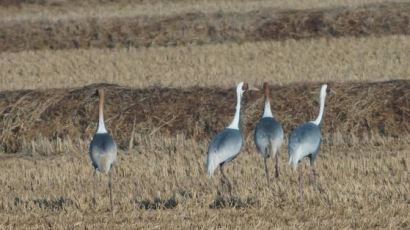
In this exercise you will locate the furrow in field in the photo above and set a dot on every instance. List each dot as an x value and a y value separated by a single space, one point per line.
203 28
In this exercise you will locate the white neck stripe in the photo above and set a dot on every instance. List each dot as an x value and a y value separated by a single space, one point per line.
267 112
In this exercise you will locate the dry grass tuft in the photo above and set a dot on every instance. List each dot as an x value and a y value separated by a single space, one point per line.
201 28
358 112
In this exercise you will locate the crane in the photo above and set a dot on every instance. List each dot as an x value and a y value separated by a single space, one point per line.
103 149
305 140
268 135
226 145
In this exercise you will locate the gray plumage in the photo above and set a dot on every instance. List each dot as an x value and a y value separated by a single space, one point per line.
103 152
304 141
224 147
267 131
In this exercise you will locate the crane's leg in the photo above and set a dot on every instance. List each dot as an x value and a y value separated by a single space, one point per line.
300 183
277 164
110 187
225 178
312 173
94 187
266 168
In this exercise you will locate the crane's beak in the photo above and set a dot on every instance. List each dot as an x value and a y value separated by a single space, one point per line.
253 88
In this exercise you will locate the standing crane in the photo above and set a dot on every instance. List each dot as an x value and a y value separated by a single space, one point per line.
226 145
305 139
103 149
268 135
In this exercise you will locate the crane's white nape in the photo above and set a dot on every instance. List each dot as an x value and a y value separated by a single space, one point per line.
101 125
267 111
240 89
322 105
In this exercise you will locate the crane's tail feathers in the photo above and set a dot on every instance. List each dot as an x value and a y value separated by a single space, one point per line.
293 156
211 165
275 146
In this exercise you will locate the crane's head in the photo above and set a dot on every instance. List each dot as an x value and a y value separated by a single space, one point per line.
324 90
266 89
99 92
243 87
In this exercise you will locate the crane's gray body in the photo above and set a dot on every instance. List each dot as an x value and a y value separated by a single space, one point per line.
304 141
103 152
224 147
268 132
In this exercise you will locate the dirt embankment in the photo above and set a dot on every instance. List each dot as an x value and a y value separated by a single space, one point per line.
201 28
357 109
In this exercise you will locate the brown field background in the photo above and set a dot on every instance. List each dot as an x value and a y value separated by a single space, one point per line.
203 28
171 67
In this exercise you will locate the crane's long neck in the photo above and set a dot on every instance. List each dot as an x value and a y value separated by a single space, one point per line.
235 122
101 125
267 112
318 120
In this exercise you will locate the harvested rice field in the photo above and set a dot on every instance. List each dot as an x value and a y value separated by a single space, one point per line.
169 70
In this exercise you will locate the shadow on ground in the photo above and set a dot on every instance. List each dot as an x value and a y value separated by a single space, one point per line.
233 202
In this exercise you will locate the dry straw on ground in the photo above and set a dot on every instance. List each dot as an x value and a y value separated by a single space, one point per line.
223 65
162 184
359 110
200 28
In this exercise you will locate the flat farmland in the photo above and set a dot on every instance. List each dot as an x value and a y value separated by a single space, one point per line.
169 69
162 184
319 60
